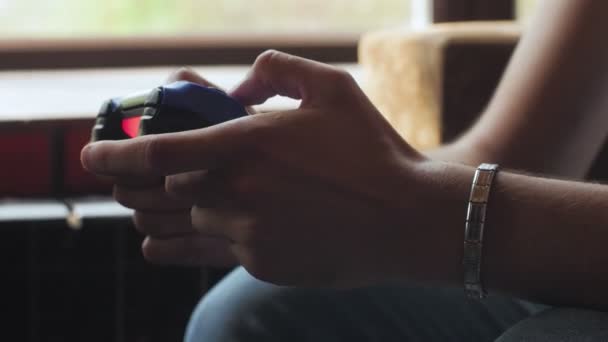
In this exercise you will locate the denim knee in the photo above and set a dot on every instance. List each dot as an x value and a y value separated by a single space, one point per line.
560 325
236 309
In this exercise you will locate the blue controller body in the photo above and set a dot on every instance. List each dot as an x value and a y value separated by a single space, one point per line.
175 107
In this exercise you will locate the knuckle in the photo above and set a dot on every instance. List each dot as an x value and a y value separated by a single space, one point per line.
140 222
123 197
246 185
249 223
267 58
342 77
197 218
247 228
101 159
174 185
185 185
204 221
182 74
255 134
151 155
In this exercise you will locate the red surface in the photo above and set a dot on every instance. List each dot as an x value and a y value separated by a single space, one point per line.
77 181
131 126
25 164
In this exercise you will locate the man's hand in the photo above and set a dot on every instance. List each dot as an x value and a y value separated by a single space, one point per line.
170 237
313 196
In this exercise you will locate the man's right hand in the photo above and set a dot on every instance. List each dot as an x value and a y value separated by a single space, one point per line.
165 221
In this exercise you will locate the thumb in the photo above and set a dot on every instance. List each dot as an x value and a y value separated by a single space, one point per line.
277 73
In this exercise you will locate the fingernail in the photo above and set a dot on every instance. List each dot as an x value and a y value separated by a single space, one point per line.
85 156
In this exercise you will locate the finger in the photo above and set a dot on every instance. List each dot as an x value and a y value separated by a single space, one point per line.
189 185
277 73
141 182
190 250
165 154
246 185
124 159
163 225
125 179
188 74
150 199
231 224
201 188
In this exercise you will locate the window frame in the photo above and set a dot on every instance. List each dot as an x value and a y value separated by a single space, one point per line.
162 51
209 49
467 10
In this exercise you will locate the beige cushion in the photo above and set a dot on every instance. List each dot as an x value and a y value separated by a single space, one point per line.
404 73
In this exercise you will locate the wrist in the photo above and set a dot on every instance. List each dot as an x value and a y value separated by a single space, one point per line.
436 220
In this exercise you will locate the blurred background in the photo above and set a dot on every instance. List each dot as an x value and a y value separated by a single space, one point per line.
70 18
118 18
72 265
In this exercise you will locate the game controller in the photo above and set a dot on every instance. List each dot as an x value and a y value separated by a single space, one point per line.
175 107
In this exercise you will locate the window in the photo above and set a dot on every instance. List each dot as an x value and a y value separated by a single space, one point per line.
57 34
119 18
525 8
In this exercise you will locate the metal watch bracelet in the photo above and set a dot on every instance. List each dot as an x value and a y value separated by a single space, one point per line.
474 227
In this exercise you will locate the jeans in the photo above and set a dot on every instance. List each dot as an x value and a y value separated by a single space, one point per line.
242 308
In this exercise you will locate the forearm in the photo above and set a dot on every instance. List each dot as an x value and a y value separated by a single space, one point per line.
548 113
550 240
545 240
